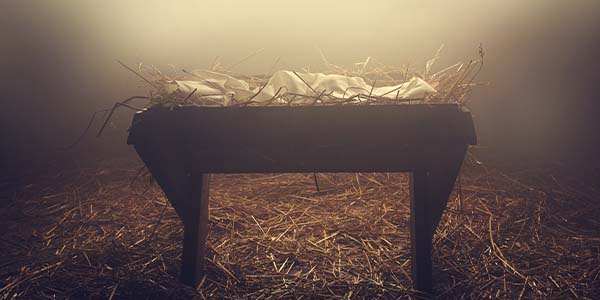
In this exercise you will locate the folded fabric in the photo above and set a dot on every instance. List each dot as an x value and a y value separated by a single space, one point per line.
220 88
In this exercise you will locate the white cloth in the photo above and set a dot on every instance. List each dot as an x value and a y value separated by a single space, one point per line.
219 88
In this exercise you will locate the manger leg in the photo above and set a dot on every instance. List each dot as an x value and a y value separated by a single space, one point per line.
420 231
187 191
195 222
430 190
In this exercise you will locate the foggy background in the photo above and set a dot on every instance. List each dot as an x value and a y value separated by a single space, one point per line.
58 62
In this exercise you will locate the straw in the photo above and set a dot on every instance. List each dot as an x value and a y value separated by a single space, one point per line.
89 233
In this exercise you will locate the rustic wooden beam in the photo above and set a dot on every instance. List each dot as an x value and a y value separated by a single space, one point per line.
430 188
421 204
195 229
188 192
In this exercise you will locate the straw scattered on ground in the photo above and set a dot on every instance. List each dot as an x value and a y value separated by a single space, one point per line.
92 233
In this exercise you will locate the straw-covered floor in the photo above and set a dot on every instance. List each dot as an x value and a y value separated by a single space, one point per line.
93 234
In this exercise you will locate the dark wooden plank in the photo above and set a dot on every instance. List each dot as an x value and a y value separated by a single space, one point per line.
420 230
306 139
215 128
188 192
195 230
430 188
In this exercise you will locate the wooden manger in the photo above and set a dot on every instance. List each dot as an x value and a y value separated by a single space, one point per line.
182 145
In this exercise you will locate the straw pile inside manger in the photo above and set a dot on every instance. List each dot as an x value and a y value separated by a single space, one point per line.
452 85
520 235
